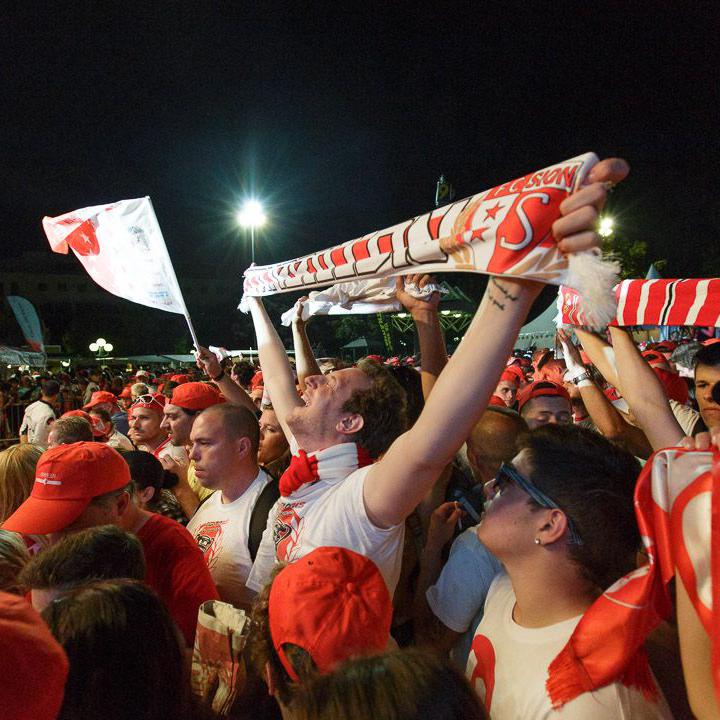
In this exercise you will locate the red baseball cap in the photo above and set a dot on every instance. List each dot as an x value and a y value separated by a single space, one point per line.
67 478
100 396
513 374
96 424
196 396
257 380
33 665
151 401
180 379
656 359
126 393
541 388
334 604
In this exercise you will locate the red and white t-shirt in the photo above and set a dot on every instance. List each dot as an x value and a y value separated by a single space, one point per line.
221 530
508 665
327 513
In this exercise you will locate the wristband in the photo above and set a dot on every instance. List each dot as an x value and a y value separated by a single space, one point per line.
583 377
219 377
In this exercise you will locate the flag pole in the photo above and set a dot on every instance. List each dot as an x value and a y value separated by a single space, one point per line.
192 330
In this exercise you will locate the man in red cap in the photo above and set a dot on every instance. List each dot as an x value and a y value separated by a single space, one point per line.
87 484
33 665
329 606
104 400
507 388
543 402
188 399
146 416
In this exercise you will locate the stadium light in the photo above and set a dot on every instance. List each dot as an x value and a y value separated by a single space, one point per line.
606 227
252 215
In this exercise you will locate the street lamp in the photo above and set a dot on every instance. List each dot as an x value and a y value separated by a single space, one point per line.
101 346
252 216
606 227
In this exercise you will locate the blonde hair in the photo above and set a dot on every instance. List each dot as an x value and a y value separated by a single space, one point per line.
139 389
14 556
17 475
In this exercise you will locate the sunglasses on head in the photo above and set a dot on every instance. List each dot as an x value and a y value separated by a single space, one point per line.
147 400
509 474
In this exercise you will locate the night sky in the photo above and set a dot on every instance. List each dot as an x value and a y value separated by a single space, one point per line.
342 119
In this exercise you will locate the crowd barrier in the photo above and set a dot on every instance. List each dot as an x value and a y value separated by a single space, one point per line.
11 417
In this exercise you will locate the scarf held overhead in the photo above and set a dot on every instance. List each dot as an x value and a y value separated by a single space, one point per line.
506 230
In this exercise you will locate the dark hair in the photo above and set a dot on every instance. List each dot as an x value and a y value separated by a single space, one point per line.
99 553
593 481
383 407
237 422
145 470
410 381
262 650
125 655
101 413
707 355
400 685
72 429
244 371
51 388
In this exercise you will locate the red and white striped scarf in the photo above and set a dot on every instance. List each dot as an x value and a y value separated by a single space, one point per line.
677 504
334 463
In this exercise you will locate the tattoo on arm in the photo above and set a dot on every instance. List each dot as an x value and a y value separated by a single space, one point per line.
505 293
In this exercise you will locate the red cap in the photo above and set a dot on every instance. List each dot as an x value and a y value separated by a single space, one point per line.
513 374
33 665
334 604
96 424
257 380
541 388
67 477
656 359
180 379
151 401
100 396
196 396
126 393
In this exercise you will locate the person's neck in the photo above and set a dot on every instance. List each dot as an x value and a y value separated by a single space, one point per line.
547 592
48 400
134 518
238 483
312 443
155 443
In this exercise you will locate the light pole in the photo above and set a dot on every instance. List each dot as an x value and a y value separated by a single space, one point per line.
101 346
252 216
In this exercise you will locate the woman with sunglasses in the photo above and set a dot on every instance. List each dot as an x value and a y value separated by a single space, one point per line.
561 520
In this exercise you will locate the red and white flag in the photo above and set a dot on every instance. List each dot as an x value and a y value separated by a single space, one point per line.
506 230
123 250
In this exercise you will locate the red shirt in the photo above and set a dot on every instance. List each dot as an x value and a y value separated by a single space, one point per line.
176 571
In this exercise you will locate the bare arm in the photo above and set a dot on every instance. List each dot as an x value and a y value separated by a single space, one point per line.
277 373
601 354
305 363
424 313
234 394
644 393
396 484
696 651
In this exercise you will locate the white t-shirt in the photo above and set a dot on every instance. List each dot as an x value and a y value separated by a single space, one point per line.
458 597
327 513
221 530
38 418
508 669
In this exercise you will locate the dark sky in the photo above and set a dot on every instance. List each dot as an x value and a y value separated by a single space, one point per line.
342 119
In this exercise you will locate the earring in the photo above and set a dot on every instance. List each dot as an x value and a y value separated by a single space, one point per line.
537 541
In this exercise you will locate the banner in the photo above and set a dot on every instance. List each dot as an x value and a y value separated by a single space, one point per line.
28 320
651 302
123 250
506 230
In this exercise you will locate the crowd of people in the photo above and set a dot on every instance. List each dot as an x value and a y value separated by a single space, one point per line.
410 542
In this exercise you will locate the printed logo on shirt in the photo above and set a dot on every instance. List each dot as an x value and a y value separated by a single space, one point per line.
209 537
483 675
286 532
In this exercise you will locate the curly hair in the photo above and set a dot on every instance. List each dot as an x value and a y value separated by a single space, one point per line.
383 407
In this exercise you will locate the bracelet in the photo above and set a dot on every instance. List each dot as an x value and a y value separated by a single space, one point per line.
580 378
219 377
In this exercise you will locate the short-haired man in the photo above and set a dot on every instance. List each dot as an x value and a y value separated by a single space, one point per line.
707 376
146 416
179 414
100 553
104 400
70 429
225 448
544 402
84 485
351 416
40 415
507 388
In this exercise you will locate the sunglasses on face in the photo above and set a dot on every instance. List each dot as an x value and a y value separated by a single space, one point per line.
509 475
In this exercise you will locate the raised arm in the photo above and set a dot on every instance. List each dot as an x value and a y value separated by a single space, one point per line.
233 393
644 393
305 363
277 373
600 353
424 312
397 483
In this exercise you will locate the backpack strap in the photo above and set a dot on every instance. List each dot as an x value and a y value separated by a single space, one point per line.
258 518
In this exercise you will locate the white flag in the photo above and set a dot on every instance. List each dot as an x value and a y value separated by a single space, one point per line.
123 250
